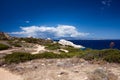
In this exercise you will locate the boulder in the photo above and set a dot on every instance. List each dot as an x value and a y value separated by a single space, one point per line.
69 43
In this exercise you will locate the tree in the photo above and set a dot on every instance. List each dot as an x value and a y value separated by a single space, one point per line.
112 44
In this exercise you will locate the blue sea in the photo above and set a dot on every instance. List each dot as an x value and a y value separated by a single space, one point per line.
97 44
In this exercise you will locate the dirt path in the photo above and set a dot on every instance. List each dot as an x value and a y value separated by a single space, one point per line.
9 50
38 49
6 75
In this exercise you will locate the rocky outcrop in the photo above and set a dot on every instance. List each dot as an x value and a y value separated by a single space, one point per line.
69 43
4 36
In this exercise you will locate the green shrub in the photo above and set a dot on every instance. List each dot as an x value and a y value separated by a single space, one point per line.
52 46
110 55
90 55
17 45
17 57
14 43
72 49
3 46
36 40
47 55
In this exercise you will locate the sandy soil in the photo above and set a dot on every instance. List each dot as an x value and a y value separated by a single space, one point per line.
38 49
9 51
60 69
6 75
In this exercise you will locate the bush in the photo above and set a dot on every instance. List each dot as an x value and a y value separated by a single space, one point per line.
17 57
72 49
3 46
52 46
110 55
47 55
17 45
35 40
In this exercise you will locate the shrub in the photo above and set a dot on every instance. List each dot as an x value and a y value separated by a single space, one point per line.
110 55
17 57
47 55
52 46
72 49
3 46
17 45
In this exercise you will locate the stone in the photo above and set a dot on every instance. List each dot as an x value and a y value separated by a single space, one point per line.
63 73
69 43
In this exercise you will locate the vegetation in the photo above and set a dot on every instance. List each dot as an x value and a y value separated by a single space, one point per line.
110 55
15 43
3 46
52 46
17 57
35 40
47 55
72 49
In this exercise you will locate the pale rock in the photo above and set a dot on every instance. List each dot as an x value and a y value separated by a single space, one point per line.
69 43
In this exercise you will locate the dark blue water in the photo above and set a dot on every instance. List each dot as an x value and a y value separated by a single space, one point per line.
97 44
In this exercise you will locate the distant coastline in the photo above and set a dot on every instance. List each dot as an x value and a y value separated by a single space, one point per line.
97 44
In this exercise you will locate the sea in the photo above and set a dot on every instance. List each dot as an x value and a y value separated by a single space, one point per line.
97 44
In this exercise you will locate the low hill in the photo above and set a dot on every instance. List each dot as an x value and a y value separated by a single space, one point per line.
4 36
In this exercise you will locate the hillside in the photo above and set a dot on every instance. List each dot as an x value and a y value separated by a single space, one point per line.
44 59
4 36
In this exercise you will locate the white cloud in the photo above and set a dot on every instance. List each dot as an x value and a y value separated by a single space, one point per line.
52 32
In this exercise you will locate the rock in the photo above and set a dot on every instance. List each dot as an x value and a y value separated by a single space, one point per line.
63 73
66 51
76 71
101 74
43 64
4 36
69 43
59 64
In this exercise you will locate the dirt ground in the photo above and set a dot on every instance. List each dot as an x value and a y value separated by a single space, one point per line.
60 69
6 75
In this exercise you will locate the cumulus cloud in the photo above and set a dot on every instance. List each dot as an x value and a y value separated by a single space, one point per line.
51 32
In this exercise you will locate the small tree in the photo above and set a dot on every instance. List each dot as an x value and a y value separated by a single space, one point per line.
112 44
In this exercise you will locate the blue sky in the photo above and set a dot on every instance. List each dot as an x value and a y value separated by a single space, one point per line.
98 19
